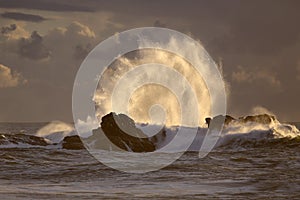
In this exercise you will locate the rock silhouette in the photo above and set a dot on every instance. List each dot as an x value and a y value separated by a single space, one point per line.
220 118
122 132
6 139
227 119
72 142
262 119
118 131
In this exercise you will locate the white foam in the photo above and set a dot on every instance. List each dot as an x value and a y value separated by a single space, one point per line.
56 131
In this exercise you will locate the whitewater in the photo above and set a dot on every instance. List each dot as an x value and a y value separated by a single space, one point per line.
235 135
250 161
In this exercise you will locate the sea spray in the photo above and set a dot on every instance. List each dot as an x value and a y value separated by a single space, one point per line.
56 131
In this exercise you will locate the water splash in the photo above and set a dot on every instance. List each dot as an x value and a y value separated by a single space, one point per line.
56 131
145 96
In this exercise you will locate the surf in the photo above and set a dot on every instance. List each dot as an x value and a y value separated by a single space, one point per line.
244 132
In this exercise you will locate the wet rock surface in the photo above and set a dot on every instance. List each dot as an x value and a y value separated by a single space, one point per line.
122 132
72 142
227 119
6 139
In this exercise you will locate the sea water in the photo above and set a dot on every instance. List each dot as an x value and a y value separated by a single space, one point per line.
243 166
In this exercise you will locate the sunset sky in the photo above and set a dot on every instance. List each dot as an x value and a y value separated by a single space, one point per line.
43 42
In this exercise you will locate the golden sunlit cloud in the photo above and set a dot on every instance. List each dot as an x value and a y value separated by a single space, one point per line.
8 78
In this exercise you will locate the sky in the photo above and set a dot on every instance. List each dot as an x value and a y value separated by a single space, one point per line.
43 43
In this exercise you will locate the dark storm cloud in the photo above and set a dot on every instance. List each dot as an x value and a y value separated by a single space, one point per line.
257 26
33 47
50 5
81 51
23 17
258 42
256 32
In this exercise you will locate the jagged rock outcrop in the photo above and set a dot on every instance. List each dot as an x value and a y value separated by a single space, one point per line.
22 139
227 119
69 142
119 130
122 132
221 118
262 119
72 142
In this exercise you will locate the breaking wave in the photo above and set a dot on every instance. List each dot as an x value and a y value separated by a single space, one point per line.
254 134
56 131
238 133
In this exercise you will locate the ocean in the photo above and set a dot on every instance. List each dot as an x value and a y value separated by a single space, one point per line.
241 168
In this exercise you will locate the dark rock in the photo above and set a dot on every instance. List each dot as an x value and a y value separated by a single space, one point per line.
72 142
207 121
227 119
22 138
262 119
220 119
116 128
118 131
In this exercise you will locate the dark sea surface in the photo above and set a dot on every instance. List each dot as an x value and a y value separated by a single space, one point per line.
264 170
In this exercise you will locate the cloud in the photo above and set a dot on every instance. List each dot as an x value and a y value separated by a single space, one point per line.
23 17
8 78
13 32
81 51
80 29
245 75
34 47
49 80
76 31
229 30
54 5
8 29
241 75
74 40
